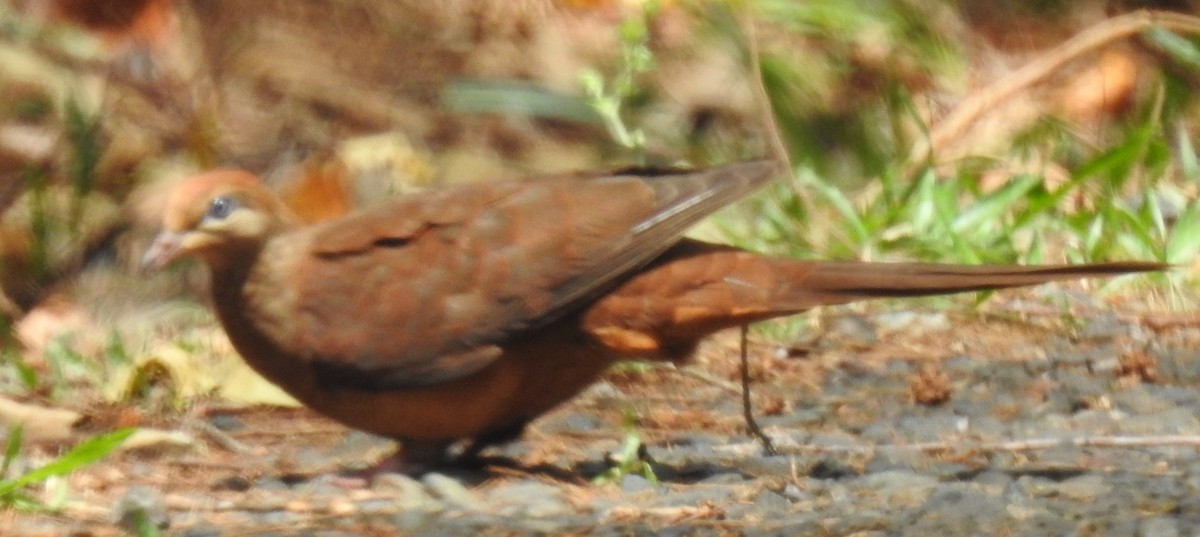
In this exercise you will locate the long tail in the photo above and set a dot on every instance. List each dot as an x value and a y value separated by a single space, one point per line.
826 282
697 288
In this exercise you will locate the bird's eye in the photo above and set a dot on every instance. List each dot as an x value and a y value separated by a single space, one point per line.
220 207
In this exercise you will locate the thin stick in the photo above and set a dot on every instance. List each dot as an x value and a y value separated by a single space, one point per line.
1016 445
763 100
747 409
222 439
988 99
691 371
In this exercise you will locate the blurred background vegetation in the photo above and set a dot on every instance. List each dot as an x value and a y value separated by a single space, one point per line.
969 130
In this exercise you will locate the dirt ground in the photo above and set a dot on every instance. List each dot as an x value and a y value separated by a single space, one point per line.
235 466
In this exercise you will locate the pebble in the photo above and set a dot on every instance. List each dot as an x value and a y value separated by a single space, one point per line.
410 494
633 484
451 491
226 422
527 499
141 504
1158 527
202 530
898 487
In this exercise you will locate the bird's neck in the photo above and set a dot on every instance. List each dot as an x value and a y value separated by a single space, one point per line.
228 294
236 311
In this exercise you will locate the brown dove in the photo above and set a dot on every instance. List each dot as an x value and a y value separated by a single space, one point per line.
465 313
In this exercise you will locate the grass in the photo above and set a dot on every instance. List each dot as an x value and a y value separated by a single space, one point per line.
1126 197
1061 196
631 458
609 96
13 489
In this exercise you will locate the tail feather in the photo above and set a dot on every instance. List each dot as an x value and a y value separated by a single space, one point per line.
826 283
698 288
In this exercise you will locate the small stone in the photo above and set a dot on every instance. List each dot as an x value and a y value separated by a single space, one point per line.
416 521
795 494
276 518
570 423
634 484
898 487
236 483
696 497
1084 488
1178 366
410 493
1172 421
910 321
830 468
850 329
1158 527
1140 400
138 506
933 428
527 499
451 491
264 483
1103 326
206 530
768 502
226 422
724 478
957 509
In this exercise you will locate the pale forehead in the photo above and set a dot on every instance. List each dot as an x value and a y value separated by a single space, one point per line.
190 198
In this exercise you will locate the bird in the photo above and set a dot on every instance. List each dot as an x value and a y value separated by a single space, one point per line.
455 317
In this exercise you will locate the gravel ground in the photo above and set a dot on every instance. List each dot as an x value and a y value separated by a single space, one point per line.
1087 431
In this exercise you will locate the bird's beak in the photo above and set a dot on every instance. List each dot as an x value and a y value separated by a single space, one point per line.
167 247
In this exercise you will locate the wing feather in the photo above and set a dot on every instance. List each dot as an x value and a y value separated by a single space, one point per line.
426 289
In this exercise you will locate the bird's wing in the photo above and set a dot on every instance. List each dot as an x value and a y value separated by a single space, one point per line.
423 289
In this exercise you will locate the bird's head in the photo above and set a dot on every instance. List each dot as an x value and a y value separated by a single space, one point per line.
220 217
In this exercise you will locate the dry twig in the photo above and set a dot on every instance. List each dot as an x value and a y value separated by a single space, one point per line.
955 124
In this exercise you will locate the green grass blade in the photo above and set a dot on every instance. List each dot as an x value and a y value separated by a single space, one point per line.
860 234
516 98
1189 164
1178 47
16 435
1183 244
87 452
992 207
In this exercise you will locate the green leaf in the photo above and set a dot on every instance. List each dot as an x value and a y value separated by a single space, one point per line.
1139 238
1095 233
1035 254
1154 215
859 232
1178 47
1189 164
12 449
922 202
1183 244
143 526
1116 163
518 98
947 205
992 207
87 452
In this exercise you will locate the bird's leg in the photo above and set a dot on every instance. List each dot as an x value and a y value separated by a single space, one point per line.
413 458
417 457
470 453
747 409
